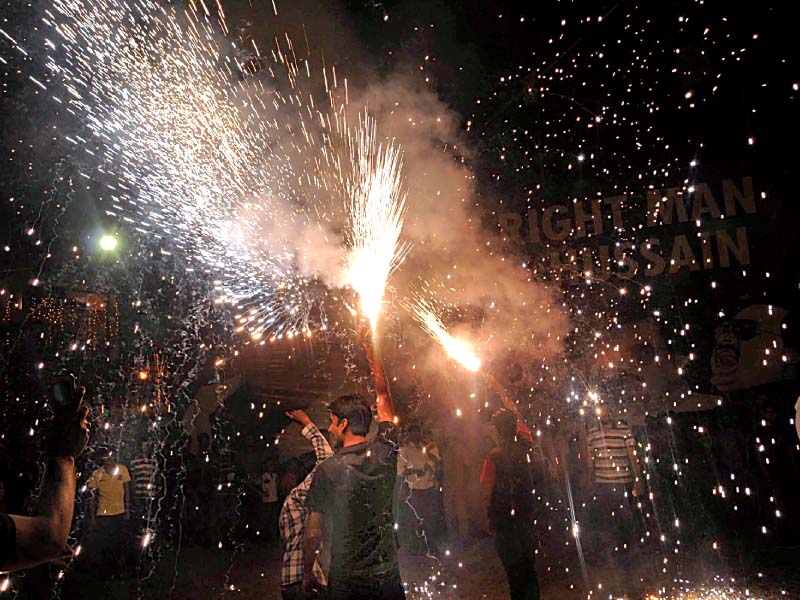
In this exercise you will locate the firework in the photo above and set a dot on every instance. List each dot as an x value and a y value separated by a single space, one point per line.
376 211
457 349
213 159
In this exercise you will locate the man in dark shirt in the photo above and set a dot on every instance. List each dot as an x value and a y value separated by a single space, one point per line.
352 493
509 503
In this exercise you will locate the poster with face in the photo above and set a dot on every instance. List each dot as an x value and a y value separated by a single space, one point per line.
750 350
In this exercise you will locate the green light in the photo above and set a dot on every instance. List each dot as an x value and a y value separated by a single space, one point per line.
108 242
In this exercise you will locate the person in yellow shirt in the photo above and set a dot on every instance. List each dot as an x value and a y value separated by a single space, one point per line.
109 509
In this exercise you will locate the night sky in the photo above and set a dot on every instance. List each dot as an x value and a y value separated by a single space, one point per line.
512 117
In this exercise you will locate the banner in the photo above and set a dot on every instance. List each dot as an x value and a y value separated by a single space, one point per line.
662 232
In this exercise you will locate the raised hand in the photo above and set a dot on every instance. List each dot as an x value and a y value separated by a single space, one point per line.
69 432
299 416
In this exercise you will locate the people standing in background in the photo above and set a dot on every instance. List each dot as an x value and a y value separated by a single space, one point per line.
456 465
250 459
289 478
147 489
249 463
109 509
294 513
614 480
146 480
269 499
509 504
418 465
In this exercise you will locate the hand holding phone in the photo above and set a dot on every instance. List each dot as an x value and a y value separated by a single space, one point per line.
69 431
64 392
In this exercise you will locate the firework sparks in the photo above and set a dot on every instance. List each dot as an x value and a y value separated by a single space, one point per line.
223 166
377 208
459 350
193 142
222 162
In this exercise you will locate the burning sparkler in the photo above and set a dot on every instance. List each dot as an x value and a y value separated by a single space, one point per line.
459 350
376 210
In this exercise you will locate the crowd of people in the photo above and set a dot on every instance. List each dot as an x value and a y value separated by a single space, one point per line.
370 489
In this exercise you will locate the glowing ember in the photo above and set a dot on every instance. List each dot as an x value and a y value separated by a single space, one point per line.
377 207
459 350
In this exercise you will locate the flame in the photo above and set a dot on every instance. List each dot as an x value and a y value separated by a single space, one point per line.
459 350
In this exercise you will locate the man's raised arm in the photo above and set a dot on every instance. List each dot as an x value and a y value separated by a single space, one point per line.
43 537
384 396
322 448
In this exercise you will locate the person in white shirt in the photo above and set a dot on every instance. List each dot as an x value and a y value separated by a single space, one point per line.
418 465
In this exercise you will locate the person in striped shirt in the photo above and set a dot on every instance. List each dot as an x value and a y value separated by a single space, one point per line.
293 515
146 477
614 479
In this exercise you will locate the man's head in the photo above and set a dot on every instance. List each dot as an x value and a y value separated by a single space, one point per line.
109 460
351 416
505 423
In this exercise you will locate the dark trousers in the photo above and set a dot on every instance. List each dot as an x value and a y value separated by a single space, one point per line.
612 522
389 587
108 542
420 519
515 546
269 515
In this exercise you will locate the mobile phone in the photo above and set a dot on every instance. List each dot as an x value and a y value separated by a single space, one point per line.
64 391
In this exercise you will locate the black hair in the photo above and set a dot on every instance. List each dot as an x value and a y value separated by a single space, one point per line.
506 424
356 409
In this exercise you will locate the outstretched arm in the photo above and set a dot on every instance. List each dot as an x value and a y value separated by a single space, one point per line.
322 448
43 538
504 397
522 428
384 396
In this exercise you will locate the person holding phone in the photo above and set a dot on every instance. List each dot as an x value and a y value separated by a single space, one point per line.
29 541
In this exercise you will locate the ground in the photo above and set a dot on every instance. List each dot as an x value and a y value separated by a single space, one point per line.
475 574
